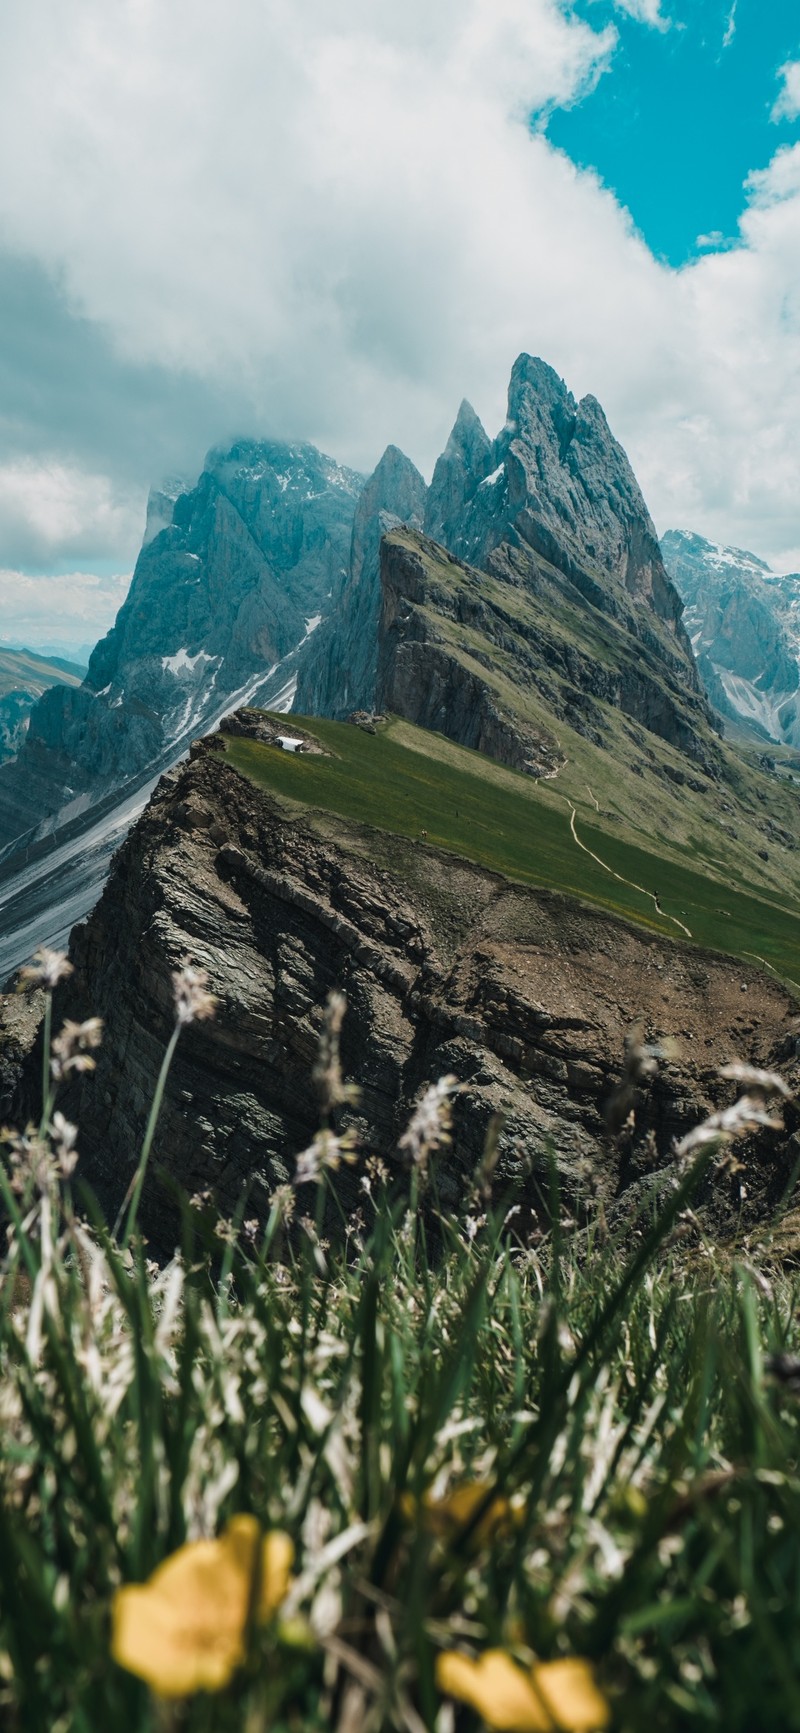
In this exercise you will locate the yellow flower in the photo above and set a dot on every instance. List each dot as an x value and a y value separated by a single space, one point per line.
446 1517
185 1630
551 1697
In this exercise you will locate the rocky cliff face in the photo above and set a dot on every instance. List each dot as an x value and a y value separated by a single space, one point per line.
497 659
525 996
222 593
744 622
338 672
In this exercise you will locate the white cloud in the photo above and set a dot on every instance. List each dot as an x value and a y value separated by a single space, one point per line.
646 11
730 26
51 510
787 105
341 217
72 610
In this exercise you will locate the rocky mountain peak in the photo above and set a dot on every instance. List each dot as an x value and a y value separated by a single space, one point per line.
340 667
233 575
465 461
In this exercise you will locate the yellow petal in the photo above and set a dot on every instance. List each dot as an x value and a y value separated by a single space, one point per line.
184 1630
277 1558
571 1695
171 1645
497 1688
446 1516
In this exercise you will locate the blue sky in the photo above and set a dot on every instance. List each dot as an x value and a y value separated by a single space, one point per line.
333 222
683 114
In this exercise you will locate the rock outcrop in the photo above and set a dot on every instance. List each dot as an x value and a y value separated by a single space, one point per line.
524 995
744 621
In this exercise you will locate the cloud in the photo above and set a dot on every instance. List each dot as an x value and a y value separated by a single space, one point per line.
730 27
333 223
787 105
645 11
49 512
70 611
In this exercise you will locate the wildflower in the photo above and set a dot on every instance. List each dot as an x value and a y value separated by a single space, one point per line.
548 1696
186 1629
431 1122
72 1048
31 1161
64 1135
447 1517
282 1201
327 1151
766 1082
327 1072
745 1115
193 1002
46 970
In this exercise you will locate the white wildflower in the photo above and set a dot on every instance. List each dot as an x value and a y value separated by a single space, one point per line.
73 1046
193 1002
46 970
327 1152
431 1122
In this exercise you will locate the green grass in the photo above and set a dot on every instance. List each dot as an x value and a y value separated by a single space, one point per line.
516 642
404 780
638 1470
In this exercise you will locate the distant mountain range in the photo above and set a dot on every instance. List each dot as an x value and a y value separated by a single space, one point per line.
24 676
520 605
276 540
744 623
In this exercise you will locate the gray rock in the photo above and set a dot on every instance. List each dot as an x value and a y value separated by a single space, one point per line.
338 672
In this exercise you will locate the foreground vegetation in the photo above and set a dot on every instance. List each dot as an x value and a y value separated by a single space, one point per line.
412 782
437 1471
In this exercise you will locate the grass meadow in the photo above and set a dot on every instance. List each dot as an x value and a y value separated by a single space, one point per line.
434 1475
408 781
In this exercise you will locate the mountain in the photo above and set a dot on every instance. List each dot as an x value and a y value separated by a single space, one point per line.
551 515
744 621
24 676
519 605
234 573
286 874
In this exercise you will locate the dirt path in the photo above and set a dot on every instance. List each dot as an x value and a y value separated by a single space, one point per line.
623 881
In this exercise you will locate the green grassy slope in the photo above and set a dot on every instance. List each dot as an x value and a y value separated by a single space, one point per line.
627 780
404 780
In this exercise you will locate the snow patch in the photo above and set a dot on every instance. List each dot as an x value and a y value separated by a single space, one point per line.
754 706
182 662
491 480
